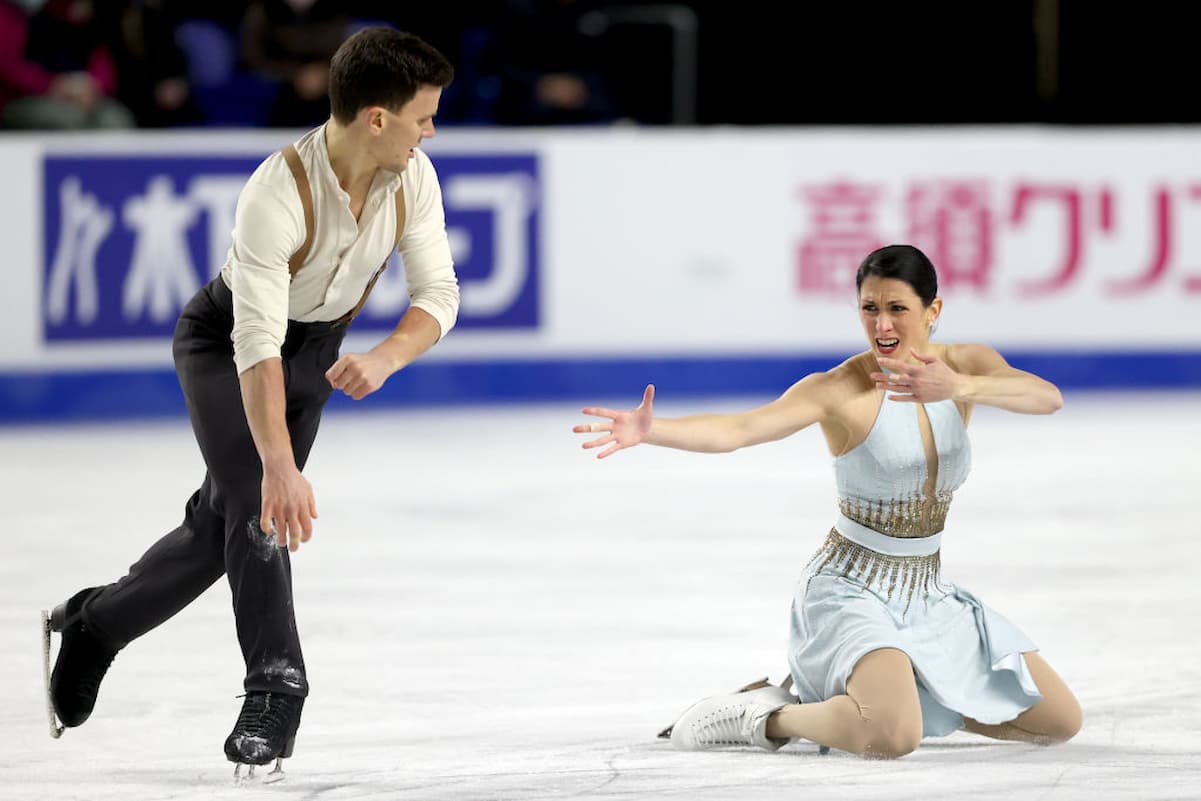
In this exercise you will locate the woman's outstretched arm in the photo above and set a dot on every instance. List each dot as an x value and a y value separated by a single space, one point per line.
806 402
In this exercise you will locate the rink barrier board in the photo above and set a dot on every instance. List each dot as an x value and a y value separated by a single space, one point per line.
90 396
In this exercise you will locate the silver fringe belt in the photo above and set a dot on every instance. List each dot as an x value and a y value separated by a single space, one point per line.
891 566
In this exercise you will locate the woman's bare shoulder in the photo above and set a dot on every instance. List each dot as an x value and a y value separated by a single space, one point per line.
972 357
855 372
844 381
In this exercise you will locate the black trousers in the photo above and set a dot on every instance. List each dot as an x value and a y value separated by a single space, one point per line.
220 530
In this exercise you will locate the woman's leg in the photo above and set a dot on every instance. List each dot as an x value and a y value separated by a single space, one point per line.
1055 719
880 715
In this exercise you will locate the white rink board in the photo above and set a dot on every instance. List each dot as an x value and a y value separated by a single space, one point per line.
694 242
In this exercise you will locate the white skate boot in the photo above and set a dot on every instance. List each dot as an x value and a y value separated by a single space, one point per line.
729 720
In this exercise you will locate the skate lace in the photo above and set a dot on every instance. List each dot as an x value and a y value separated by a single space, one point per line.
722 726
266 715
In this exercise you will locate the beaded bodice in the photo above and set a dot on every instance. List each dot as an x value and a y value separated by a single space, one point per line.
884 482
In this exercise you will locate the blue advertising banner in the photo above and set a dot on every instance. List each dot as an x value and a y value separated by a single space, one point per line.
743 284
129 239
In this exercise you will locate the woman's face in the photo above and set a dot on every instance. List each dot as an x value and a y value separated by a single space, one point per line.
894 318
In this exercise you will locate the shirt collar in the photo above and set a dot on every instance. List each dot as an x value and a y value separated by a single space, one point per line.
384 179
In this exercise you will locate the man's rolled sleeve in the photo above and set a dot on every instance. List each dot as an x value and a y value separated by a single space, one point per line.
432 284
425 249
267 231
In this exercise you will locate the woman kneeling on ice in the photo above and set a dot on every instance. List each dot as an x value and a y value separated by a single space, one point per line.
882 651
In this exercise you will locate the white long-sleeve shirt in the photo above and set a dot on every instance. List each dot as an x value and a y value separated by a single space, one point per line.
345 253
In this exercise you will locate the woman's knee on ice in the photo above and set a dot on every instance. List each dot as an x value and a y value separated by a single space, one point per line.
888 736
893 741
1058 717
1064 724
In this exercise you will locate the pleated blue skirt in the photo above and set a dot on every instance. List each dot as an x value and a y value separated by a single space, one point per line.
967 658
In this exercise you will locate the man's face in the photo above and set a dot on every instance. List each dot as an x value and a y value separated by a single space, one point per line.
401 132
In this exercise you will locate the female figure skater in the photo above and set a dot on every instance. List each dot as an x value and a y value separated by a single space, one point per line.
882 651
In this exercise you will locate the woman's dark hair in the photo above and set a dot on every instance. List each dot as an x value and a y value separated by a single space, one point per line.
904 263
380 66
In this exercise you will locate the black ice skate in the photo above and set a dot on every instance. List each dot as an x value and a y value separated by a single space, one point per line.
266 730
82 661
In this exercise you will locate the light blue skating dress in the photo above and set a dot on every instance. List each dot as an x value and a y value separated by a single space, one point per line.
875 582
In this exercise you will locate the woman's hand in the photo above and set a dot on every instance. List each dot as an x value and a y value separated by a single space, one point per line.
929 381
622 429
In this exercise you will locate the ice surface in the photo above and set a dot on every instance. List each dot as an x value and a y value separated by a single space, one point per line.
490 613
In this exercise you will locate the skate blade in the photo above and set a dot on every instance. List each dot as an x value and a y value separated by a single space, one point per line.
56 730
275 775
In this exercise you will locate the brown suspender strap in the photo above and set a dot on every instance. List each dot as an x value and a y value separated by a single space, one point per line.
306 202
400 216
400 227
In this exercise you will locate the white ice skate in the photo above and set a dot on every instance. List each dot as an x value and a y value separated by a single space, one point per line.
739 718
763 683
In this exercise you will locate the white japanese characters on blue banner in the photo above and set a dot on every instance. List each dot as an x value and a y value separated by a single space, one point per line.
492 220
129 239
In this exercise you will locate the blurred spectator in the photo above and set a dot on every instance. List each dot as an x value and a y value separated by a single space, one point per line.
55 70
151 72
292 41
549 72
226 13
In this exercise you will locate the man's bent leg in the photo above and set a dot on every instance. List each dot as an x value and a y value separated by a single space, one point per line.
169 576
95 623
